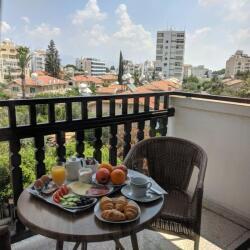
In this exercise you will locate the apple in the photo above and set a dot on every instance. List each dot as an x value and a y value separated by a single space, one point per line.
102 176
123 168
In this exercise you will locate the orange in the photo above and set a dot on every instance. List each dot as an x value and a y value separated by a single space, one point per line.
107 166
118 177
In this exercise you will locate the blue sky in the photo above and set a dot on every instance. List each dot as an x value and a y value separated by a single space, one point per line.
100 28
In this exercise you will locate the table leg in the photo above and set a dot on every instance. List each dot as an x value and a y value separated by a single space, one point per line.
134 241
118 245
59 245
84 245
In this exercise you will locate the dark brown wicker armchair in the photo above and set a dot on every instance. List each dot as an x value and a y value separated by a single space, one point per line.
170 161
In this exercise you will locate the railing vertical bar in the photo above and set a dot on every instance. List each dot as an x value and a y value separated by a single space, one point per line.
32 114
112 107
60 150
146 104
80 143
113 145
140 132
136 105
68 111
164 121
52 113
39 156
127 138
84 109
12 115
125 106
98 133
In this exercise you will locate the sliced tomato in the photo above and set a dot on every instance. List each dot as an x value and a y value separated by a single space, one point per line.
64 189
60 192
56 197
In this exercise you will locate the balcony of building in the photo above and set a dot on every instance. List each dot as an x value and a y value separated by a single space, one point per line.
221 125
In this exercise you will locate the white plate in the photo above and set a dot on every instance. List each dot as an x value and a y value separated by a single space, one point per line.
97 211
110 183
110 189
126 191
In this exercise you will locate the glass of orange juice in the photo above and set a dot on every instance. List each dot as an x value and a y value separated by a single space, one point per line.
58 174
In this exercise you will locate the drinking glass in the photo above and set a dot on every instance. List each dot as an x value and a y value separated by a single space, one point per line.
58 174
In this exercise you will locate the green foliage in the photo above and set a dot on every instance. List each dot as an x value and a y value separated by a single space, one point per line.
219 72
70 66
52 60
191 79
245 76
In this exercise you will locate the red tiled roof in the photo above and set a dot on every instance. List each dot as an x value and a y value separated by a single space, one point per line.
111 89
110 77
89 79
41 81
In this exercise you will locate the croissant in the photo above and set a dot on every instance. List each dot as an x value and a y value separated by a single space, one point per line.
120 203
106 203
131 210
113 215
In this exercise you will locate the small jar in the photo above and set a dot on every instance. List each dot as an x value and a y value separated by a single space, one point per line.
85 175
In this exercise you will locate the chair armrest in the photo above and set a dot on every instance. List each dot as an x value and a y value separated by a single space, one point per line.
4 238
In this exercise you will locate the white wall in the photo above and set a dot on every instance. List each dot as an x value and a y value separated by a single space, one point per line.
223 130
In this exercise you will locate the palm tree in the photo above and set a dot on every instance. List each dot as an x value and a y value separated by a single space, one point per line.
23 61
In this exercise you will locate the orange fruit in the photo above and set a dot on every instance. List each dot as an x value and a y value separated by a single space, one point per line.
107 166
118 177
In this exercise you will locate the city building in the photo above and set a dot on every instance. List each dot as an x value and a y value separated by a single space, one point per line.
89 80
91 66
9 69
128 67
170 46
200 71
37 84
187 70
238 62
38 60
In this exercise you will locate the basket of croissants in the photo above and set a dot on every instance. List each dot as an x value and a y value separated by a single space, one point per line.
118 209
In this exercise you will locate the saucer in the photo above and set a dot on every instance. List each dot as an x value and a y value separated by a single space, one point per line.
126 191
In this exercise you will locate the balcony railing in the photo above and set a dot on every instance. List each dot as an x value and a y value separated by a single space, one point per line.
147 107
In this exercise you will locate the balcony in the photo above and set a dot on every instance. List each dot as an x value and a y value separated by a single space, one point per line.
219 124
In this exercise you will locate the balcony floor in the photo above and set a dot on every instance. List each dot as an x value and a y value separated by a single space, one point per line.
217 233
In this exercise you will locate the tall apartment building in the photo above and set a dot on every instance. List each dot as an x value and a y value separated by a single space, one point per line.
187 70
9 68
170 46
38 60
92 66
238 62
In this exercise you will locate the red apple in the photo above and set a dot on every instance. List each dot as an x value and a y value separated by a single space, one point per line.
102 176
123 168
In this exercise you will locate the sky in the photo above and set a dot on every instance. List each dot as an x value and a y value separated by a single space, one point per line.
215 29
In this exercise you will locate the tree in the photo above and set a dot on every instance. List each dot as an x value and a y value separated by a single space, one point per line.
23 61
112 68
120 74
52 60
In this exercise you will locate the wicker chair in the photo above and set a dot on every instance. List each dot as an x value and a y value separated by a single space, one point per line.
170 161
4 238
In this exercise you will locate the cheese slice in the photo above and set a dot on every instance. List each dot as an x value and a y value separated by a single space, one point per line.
79 187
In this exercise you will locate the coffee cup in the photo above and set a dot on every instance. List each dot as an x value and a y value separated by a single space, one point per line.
139 186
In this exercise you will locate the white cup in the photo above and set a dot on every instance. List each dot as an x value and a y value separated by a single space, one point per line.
139 186
85 175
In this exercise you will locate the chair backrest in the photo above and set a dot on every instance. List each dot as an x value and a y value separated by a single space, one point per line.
170 161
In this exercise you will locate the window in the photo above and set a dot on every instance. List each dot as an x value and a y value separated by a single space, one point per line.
165 64
160 34
158 69
159 40
166 41
32 90
166 58
159 58
159 46
15 89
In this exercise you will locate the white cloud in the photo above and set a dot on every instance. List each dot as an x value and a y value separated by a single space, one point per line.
96 36
232 10
25 19
4 27
43 30
132 35
197 34
90 12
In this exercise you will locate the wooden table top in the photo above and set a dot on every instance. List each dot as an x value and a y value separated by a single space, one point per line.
51 221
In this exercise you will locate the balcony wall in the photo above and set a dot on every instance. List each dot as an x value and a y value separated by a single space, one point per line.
223 130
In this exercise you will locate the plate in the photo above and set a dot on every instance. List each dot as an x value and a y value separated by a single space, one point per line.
110 183
94 200
126 191
82 189
97 211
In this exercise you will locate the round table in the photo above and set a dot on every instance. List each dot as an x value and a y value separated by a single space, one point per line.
52 222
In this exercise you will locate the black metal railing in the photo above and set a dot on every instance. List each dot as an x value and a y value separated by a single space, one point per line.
145 107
